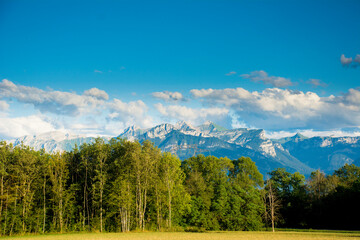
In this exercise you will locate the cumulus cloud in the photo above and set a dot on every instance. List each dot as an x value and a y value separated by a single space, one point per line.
20 126
73 109
65 103
262 76
177 112
357 59
4 106
345 61
276 109
97 93
316 83
168 96
230 73
227 97
352 98
130 113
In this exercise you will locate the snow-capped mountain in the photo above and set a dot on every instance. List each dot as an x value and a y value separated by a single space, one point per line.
297 153
53 141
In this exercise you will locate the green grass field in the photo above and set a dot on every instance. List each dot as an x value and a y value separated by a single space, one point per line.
193 236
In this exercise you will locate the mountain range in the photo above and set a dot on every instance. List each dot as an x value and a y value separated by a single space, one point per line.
297 153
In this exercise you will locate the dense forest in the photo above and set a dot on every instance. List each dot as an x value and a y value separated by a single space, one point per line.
124 186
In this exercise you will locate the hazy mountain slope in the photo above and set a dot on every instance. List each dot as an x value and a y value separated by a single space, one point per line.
325 153
53 141
186 140
296 153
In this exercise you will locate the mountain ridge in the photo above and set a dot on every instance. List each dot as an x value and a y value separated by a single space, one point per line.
296 153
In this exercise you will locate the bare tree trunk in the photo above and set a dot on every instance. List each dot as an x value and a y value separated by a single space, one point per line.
273 204
101 211
128 220
6 211
124 219
158 207
128 212
13 218
61 203
44 204
102 183
142 208
84 205
143 211
139 201
1 204
23 215
86 200
272 220
169 193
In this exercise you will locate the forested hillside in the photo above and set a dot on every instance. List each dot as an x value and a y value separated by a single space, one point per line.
123 185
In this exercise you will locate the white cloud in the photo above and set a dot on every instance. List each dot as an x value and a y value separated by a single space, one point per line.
4 106
113 128
311 133
228 96
235 122
352 97
193 115
87 113
130 113
316 83
345 61
277 109
20 126
63 103
357 59
230 73
168 96
262 76
98 71
97 93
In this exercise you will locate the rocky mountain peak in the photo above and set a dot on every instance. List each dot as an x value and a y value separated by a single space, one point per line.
299 136
182 125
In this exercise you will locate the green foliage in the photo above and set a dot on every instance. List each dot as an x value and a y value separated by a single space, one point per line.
348 175
124 186
246 173
224 193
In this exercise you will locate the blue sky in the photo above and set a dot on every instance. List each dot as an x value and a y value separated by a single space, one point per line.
274 65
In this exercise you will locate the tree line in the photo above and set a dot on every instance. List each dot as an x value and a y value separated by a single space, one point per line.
122 186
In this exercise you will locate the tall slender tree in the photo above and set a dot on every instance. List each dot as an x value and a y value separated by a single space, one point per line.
100 153
273 204
58 170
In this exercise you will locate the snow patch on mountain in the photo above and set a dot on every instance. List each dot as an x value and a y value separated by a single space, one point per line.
326 142
348 140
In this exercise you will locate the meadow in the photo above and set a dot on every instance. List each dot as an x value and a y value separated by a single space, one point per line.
221 235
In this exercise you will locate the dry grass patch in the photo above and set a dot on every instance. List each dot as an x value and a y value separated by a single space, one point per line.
195 236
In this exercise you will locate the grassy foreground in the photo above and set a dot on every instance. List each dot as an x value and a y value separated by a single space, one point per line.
193 236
